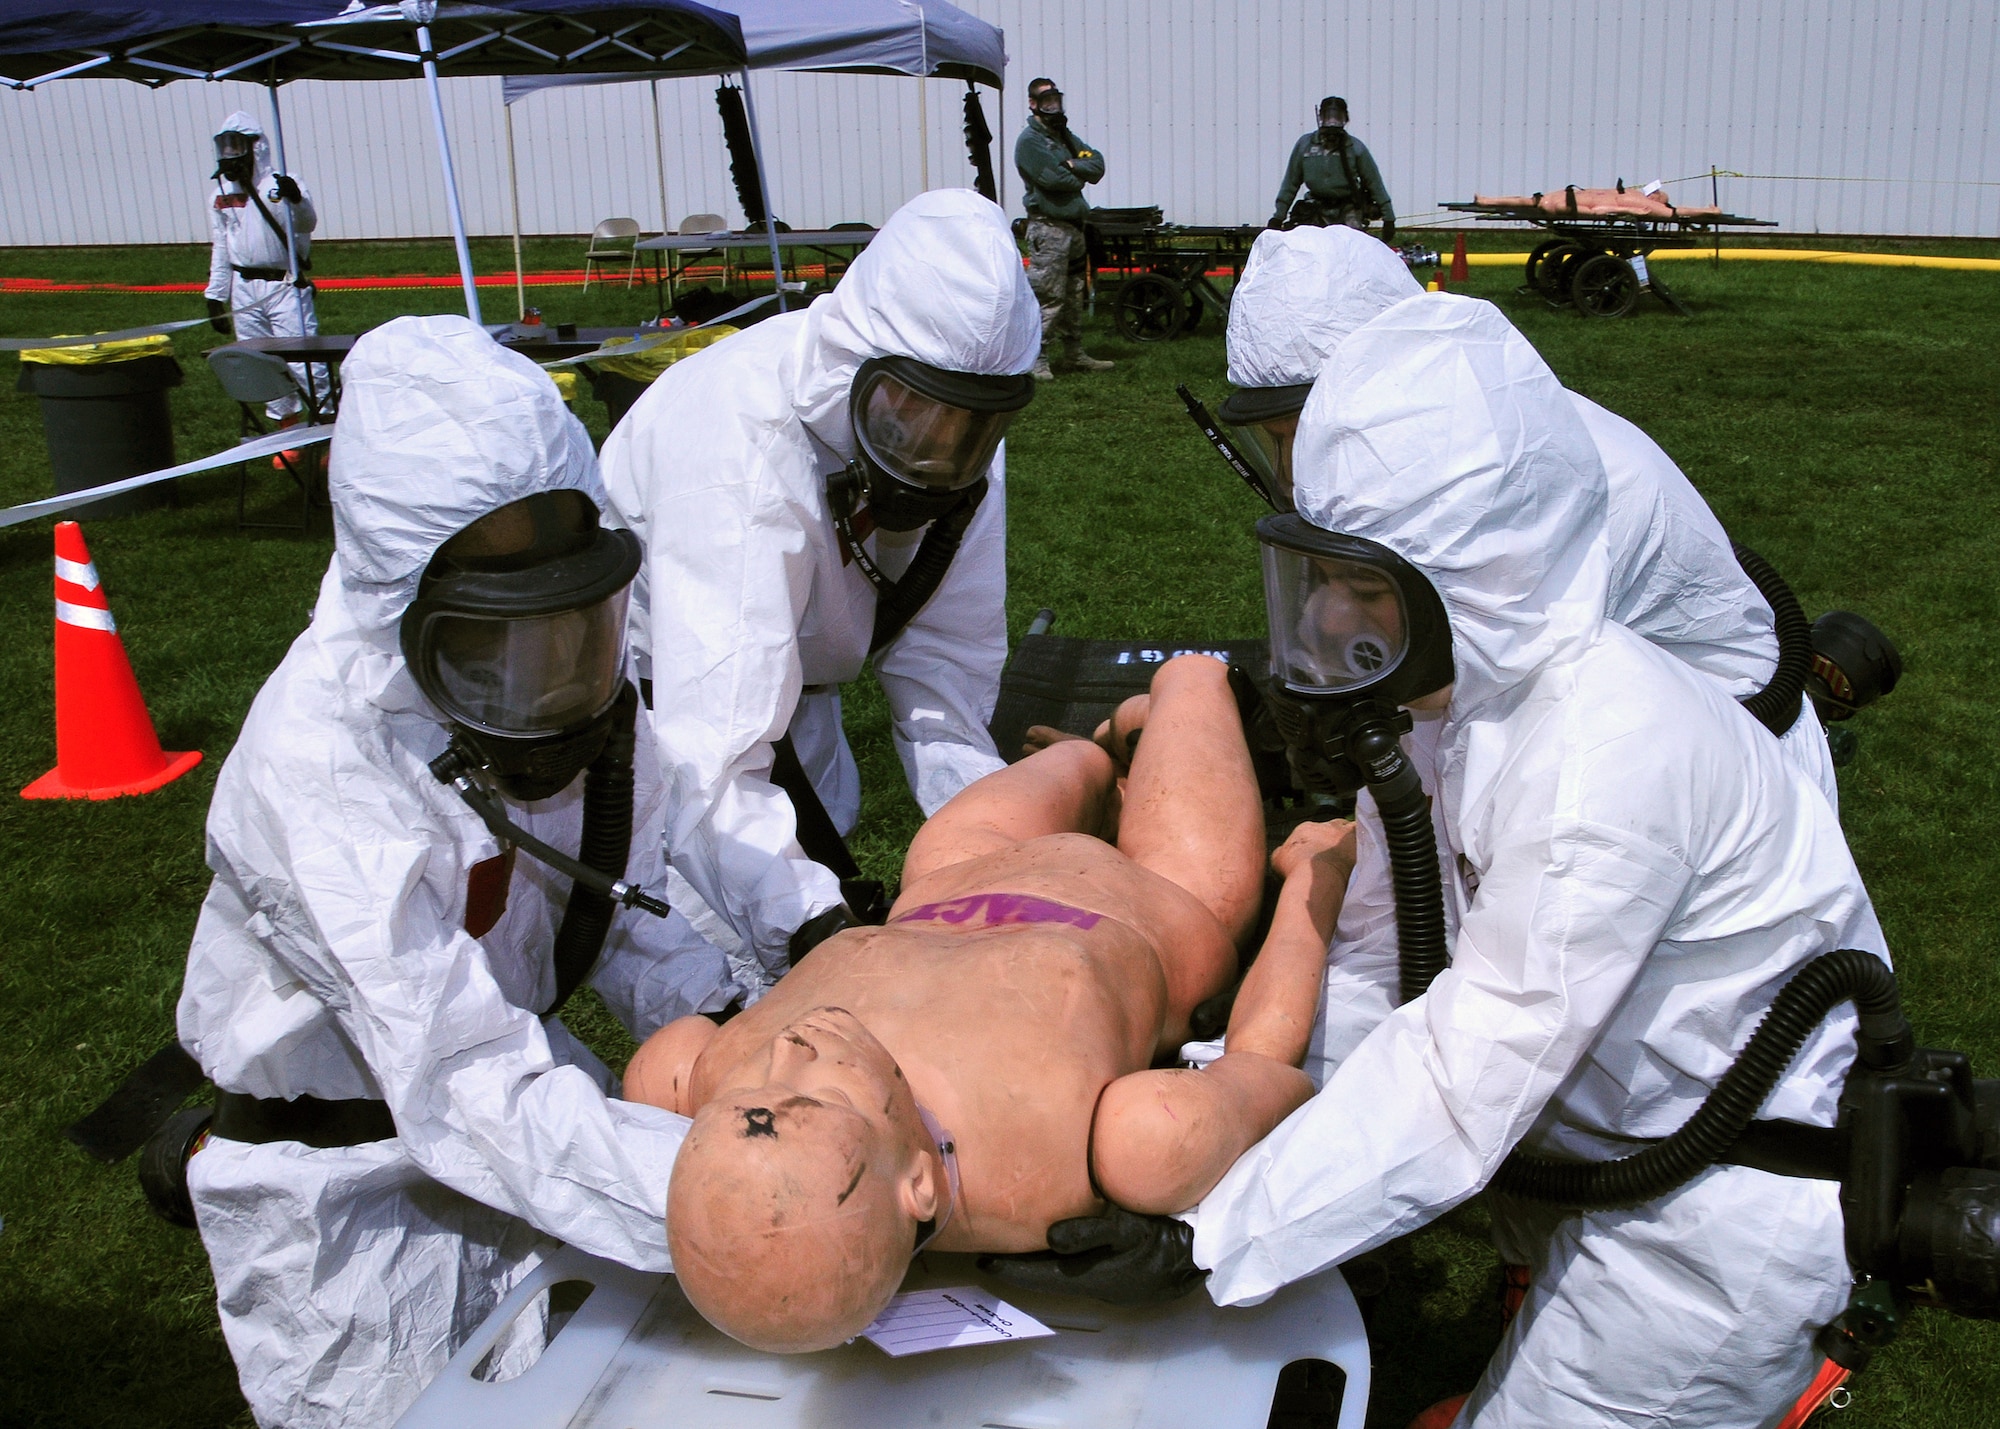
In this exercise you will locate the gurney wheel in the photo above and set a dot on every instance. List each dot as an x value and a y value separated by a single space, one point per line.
1605 287
1542 251
1150 308
1558 270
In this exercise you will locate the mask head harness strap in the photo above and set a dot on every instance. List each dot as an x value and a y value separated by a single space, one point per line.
1247 407
947 1149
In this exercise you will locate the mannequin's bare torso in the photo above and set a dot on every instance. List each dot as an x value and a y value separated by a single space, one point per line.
1011 990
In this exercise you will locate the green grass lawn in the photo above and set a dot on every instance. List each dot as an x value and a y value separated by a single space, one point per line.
1840 420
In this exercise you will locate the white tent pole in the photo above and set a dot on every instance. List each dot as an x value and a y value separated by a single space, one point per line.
660 159
764 191
923 134
514 191
291 242
450 175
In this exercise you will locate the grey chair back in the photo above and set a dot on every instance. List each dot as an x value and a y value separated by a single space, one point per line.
704 223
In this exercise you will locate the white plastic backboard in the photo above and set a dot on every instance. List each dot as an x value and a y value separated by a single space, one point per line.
637 1356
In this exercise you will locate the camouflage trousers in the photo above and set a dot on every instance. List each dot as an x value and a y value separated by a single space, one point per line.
1058 259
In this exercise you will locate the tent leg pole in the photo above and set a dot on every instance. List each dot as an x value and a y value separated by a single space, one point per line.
291 241
514 192
923 134
764 192
660 159
450 176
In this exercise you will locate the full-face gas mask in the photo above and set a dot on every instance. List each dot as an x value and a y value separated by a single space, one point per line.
1331 118
1356 633
1046 102
924 437
1253 431
517 635
235 157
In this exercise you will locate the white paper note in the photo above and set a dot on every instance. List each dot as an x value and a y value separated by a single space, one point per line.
945 1319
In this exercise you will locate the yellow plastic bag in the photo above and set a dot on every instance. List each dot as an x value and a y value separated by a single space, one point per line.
645 366
566 384
93 354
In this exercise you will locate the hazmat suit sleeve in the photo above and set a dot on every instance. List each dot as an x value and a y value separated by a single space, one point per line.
1569 907
730 568
1294 179
479 1100
942 674
219 276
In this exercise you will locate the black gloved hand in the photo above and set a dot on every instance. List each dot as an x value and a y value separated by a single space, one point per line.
218 316
817 929
1277 221
1120 1257
1389 234
287 187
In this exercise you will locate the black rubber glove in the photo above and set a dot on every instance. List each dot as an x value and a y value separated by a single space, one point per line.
1389 234
1124 1258
218 316
1277 221
287 187
817 929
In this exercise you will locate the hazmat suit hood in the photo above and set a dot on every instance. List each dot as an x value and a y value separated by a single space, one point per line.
260 148
942 283
438 425
1302 292
1438 431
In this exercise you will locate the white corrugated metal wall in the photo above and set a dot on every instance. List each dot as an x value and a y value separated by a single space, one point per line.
1195 104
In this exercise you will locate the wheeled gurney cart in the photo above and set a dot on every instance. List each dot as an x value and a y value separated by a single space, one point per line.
1167 288
1595 260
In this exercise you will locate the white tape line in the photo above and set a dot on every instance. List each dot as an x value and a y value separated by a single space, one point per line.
83 573
270 444
90 617
37 344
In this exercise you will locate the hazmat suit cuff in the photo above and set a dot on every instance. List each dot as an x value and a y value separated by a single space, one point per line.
938 770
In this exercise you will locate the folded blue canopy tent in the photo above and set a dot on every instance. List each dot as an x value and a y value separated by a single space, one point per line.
924 39
273 42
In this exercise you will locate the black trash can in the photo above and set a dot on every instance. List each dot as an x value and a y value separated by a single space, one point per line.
104 421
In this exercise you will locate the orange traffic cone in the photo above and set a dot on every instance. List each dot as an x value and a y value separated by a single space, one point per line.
1460 269
1436 284
1440 1415
105 744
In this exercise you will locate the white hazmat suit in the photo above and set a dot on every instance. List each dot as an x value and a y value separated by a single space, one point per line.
1672 579
244 236
1636 869
350 945
749 598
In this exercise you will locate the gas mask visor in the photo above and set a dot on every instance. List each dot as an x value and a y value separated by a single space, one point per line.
518 629
234 155
1259 424
1349 618
926 434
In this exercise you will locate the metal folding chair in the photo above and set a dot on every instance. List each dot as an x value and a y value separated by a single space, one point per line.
679 263
616 240
251 379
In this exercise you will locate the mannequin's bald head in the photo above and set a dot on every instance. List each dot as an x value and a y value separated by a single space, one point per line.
795 1203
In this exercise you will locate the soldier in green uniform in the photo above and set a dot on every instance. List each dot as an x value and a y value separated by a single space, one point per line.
1055 165
1339 175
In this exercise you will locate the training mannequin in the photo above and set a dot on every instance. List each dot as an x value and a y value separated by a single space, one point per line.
1058 925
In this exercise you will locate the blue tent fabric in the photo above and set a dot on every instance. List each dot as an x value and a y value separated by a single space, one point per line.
854 36
265 40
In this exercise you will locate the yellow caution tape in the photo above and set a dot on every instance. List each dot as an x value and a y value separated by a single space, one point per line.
85 353
651 361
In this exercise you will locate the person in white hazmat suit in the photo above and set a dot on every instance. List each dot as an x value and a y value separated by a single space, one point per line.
1673 577
822 490
1635 868
398 1131
247 269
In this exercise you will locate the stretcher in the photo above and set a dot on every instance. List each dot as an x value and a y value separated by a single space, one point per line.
1169 267
635 1355
1596 260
